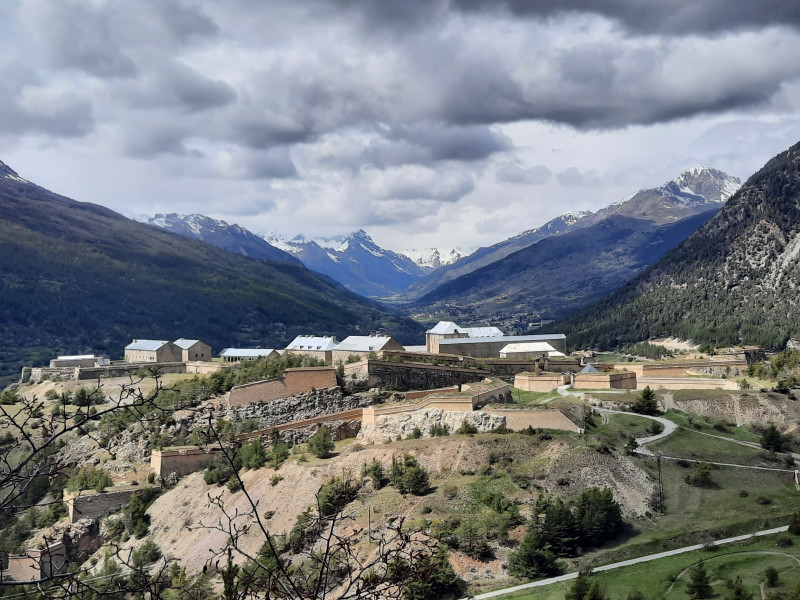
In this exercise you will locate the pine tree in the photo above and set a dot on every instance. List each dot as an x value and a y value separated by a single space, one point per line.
699 585
321 443
738 592
531 560
579 589
794 524
646 403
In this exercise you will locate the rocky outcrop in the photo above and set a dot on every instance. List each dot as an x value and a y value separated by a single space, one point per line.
403 424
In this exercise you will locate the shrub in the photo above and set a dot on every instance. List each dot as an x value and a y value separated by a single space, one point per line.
89 478
321 443
439 430
415 434
253 454
409 477
146 554
275 480
467 428
763 500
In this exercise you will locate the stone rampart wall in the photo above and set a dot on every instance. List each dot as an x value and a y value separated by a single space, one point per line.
325 401
121 370
687 383
538 419
89 504
295 381
530 382
37 564
181 460
420 376
614 381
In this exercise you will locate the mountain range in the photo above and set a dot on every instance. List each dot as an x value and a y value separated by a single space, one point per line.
734 280
692 192
76 277
355 261
577 258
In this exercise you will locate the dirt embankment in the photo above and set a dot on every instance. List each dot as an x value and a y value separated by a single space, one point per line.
744 408
187 525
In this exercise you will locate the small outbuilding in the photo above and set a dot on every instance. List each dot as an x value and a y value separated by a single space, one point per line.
316 346
153 351
193 350
364 345
237 354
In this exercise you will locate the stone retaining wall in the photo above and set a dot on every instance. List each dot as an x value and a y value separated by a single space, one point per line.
89 504
295 381
309 405
420 376
181 460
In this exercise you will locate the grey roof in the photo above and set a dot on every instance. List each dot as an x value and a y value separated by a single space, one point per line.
246 352
443 327
186 344
477 332
506 338
589 369
146 344
363 343
312 342
528 347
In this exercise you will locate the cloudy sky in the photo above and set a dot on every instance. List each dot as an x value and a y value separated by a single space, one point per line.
424 122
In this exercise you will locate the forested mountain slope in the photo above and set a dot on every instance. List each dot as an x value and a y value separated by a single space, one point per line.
734 280
561 273
77 277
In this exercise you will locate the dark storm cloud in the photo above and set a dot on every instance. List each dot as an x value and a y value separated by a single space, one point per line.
185 23
674 17
78 36
425 143
174 84
658 16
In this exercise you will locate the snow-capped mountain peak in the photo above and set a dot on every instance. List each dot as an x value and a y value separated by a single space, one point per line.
430 259
712 184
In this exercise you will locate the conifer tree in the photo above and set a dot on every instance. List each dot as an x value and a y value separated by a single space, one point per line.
646 403
699 585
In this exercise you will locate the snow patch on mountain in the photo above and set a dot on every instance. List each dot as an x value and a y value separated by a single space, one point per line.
434 258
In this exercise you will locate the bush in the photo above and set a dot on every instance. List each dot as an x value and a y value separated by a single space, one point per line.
146 554
415 434
439 430
321 443
89 478
467 428
409 477
253 454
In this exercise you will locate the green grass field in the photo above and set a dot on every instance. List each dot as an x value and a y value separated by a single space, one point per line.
667 577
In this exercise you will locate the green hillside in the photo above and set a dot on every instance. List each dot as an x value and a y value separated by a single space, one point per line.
76 277
734 280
